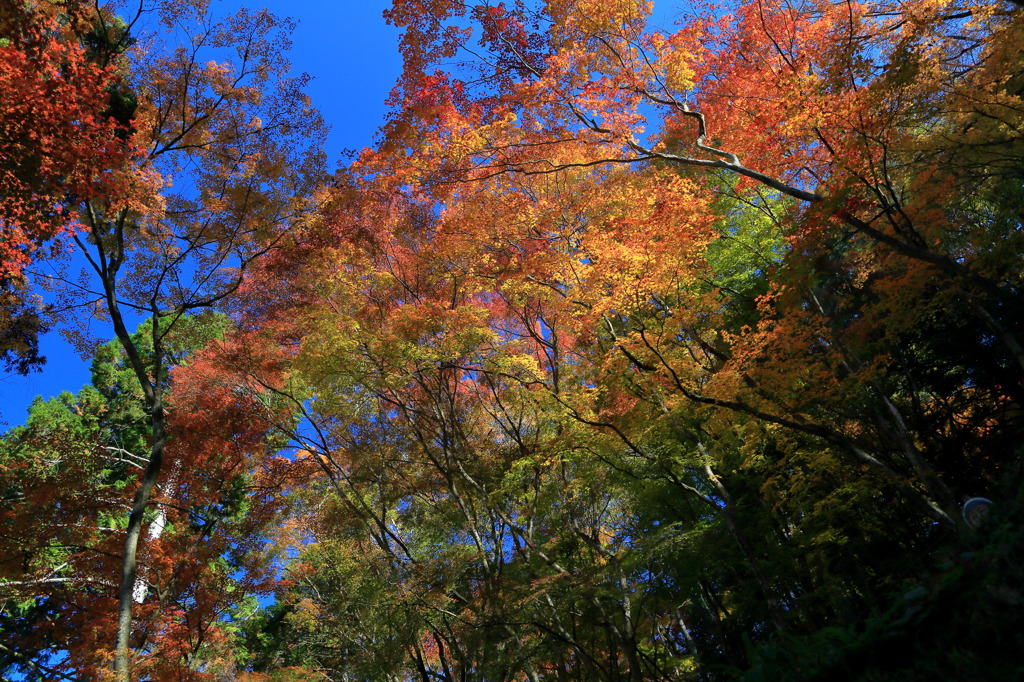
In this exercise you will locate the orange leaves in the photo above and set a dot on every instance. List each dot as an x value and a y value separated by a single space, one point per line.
591 17
649 242
58 142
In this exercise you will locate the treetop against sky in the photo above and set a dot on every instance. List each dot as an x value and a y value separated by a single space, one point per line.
351 54
613 353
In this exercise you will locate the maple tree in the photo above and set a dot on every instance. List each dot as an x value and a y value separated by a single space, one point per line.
228 145
523 324
625 354
235 139
69 475
63 139
572 87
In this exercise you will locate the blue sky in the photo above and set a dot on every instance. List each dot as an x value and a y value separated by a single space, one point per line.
353 58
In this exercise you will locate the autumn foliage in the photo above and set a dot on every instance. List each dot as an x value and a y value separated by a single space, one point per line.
61 140
627 353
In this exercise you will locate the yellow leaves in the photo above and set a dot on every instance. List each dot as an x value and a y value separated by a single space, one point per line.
599 16
305 614
522 367
432 333
674 63
469 139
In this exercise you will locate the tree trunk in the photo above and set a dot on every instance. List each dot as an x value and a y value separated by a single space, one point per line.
131 542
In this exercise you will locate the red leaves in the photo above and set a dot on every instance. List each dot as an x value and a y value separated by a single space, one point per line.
57 144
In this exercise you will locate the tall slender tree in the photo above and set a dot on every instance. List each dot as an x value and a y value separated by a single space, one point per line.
229 149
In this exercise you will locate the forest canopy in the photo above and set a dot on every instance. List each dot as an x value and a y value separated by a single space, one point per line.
626 352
